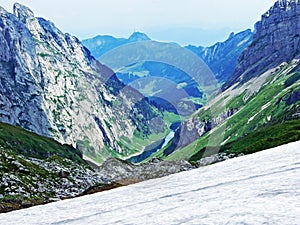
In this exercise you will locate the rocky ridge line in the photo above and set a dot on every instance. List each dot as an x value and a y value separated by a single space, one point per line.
276 40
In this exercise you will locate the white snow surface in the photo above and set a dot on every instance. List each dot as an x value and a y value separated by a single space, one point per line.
262 188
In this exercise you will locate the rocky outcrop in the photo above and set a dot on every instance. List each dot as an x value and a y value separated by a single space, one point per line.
51 85
276 40
215 158
190 130
27 181
222 57
125 173
293 98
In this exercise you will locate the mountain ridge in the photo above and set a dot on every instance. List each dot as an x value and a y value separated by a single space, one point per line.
56 88
101 44
166 85
270 47
222 57
214 56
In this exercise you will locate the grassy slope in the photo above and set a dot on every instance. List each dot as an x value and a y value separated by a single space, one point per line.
268 136
29 144
24 175
169 119
20 174
269 105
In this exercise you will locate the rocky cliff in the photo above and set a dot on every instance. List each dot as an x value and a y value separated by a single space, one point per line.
276 40
263 91
50 84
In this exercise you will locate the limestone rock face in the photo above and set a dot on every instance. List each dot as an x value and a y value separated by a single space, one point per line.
192 129
276 40
51 85
21 85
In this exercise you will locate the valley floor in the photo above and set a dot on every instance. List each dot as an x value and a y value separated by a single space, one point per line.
262 188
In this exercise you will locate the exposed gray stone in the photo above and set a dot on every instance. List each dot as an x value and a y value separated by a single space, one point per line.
51 85
276 40
125 173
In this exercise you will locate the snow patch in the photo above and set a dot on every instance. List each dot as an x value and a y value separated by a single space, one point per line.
254 189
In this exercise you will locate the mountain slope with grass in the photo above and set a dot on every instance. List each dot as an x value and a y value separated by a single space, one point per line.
51 85
35 170
253 101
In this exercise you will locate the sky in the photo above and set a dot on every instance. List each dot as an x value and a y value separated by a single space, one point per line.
180 21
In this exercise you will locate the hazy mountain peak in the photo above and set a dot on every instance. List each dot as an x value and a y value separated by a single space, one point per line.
138 36
285 4
104 43
244 32
231 35
22 12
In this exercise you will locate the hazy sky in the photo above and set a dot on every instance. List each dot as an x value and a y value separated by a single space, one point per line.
164 18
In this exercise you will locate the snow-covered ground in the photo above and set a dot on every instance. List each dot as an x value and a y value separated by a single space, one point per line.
263 188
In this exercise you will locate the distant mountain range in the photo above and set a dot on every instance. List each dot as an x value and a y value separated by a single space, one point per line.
102 44
222 57
190 35
150 77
